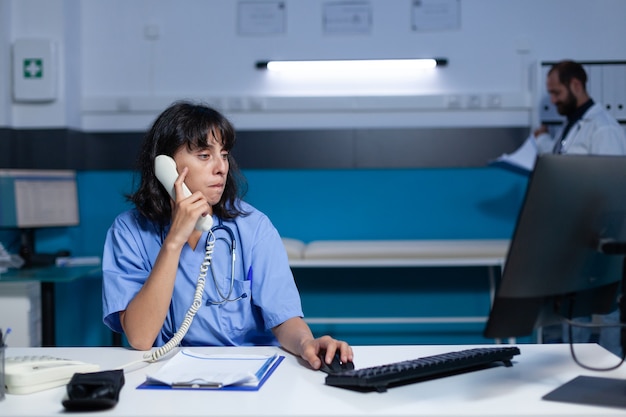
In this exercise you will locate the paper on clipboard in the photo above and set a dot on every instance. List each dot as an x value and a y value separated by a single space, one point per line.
191 369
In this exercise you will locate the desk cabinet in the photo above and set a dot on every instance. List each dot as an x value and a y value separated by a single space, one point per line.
20 310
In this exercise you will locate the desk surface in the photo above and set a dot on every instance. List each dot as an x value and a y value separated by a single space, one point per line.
52 274
295 390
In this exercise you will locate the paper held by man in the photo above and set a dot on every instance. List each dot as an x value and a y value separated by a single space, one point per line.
522 160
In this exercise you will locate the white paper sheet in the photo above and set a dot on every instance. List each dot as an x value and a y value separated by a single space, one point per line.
193 369
522 159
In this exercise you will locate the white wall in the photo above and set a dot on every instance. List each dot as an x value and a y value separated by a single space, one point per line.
36 19
5 63
117 77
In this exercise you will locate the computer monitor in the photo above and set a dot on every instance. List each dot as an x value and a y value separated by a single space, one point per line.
33 199
557 266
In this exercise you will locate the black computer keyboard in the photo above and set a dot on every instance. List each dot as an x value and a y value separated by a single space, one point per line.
381 377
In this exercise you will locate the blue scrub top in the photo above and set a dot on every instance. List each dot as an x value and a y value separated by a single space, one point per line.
261 272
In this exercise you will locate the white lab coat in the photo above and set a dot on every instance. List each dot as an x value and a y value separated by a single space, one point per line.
596 133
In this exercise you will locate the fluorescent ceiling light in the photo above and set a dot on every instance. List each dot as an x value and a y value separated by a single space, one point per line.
352 65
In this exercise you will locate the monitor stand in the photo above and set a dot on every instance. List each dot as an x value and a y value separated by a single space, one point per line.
31 258
590 390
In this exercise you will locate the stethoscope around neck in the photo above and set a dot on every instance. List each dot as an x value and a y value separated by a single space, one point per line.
207 264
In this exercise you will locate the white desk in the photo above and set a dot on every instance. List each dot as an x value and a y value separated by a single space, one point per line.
295 390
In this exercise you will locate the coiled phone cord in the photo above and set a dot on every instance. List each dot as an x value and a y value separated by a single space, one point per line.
193 309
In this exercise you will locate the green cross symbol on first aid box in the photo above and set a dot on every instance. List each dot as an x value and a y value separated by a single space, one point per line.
33 68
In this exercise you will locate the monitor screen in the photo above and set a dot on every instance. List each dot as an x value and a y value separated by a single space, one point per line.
554 268
38 198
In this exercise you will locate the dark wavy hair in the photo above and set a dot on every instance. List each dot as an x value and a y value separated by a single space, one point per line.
185 124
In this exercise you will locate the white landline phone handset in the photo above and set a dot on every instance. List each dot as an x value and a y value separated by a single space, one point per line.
166 173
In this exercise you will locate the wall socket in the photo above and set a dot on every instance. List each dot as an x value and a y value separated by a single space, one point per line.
453 101
474 101
494 101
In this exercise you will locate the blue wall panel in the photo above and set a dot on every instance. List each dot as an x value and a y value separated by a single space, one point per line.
463 203
470 203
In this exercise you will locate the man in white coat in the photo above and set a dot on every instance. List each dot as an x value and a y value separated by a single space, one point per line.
590 130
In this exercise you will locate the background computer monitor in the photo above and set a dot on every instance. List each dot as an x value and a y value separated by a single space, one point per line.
572 204
34 199
38 198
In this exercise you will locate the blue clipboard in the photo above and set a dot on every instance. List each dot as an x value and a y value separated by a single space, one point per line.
150 384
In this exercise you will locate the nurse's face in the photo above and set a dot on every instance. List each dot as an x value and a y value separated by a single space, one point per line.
208 168
561 95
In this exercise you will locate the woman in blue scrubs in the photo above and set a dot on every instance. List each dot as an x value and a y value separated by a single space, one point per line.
154 255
